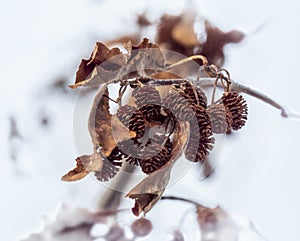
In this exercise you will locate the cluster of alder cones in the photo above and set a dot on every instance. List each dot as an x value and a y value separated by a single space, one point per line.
155 113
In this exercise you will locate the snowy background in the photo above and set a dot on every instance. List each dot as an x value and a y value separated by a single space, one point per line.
44 41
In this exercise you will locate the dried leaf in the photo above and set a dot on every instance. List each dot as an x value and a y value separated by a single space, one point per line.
216 39
100 123
184 34
120 132
150 189
97 76
78 172
177 33
146 58
85 165
105 65
164 32
101 54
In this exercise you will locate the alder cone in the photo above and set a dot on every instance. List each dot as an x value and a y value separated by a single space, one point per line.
107 171
116 156
158 159
200 140
111 165
179 105
137 124
195 94
146 95
124 114
132 150
148 100
133 119
220 118
238 108
152 113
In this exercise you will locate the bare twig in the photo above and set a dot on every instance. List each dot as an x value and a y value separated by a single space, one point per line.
183 61
209 82
174 198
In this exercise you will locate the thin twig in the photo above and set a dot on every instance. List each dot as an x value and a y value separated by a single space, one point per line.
247 90
183 61
181 199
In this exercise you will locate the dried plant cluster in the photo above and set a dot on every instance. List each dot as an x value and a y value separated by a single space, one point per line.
160 115
162 119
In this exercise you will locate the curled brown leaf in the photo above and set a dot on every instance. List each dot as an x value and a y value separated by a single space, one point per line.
100 54
111 64
78 172
151 188
100 123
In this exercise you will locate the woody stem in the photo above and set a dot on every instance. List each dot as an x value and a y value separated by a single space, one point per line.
235 86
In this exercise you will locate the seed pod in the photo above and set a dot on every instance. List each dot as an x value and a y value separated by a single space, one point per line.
116 156
178 105
196 94
137 124
146 95
107 172
158 160
238 108
220 118
124 114
200 142
133 119
141 227
152 113
132 150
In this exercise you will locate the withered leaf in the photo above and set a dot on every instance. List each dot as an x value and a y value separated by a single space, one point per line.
78 172
145 58
109 59
216 39
151 188
184 34
169 32
100 123
105 65
85 165
177 33
165 29
152 50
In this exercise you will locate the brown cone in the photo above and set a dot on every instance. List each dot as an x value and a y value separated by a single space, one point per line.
179 105
220 118
238 108
200 140
196 94
132 119
158 159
